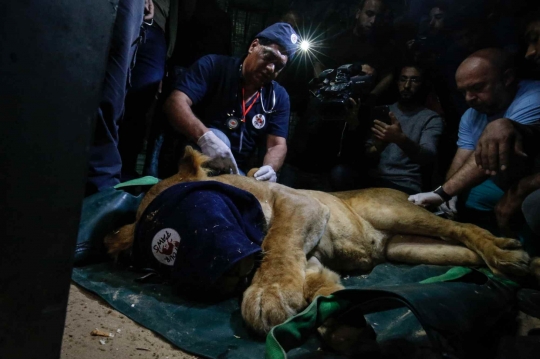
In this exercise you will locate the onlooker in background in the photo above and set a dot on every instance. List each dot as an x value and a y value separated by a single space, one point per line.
104 160
491 89
361 45
432 38
403 148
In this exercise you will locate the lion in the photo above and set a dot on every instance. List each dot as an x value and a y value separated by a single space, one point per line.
314 235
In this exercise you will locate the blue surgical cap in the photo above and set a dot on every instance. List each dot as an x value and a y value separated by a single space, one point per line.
282 34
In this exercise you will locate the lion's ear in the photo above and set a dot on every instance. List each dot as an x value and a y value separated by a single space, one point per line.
191 165
251 172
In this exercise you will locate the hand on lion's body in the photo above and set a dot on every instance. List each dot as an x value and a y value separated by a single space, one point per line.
340 232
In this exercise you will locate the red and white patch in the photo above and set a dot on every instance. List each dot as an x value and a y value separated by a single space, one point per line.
258 121
294 38
165 245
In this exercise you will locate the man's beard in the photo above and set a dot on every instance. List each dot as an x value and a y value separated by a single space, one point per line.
409 98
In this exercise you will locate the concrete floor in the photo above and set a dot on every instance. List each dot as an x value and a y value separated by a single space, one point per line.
87 312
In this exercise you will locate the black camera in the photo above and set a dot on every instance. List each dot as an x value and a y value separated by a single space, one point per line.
334 87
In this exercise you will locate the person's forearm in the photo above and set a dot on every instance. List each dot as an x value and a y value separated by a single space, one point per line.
383 84
469 175
275 156
183 119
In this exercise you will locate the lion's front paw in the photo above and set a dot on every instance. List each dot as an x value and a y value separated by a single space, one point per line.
508 261
264 307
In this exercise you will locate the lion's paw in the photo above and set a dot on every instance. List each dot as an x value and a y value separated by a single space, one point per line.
264 307
507 243
509 262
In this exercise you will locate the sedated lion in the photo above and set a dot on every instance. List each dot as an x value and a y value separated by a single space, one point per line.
311 234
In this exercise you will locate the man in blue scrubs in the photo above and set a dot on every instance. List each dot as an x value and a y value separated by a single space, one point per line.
228 105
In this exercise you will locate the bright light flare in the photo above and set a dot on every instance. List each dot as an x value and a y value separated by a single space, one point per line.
305 45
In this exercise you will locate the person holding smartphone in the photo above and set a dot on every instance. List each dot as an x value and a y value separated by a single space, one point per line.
402 143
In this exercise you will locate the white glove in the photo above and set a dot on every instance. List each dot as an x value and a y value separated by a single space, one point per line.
221 156
426 199
449 207
266 173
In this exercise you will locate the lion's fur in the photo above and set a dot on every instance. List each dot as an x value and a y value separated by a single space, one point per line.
344 231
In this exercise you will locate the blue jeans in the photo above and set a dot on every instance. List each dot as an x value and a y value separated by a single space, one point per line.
145 78
104 161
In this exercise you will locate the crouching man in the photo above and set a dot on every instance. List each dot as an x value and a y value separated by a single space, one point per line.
238 104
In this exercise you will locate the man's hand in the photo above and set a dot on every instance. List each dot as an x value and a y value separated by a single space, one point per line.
426 199
221 156
388 133
266 173
499 141
449 207
148 10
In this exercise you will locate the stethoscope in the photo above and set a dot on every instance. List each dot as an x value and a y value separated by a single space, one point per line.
269 98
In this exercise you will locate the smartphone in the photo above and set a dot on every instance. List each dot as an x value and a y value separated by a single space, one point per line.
381 113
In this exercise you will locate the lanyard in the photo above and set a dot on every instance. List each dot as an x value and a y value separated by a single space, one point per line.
244 112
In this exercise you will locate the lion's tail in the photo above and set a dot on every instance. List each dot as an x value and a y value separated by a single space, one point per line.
120 240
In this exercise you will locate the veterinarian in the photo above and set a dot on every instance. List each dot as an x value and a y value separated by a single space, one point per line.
238 104
491 89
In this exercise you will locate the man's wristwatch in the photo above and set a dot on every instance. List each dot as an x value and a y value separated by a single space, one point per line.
445 196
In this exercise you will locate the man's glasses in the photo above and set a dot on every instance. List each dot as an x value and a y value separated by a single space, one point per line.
414 80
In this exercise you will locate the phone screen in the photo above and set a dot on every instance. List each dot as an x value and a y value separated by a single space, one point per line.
381 113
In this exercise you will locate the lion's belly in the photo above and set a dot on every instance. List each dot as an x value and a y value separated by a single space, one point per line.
349 242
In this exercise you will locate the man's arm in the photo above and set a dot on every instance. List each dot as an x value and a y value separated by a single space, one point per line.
177 108
467 176
459 160
178 111
463 174
276 152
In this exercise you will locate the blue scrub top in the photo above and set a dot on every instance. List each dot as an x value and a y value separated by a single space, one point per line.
213 85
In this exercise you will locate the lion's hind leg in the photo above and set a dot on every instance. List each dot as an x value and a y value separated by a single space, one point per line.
390 211
413 249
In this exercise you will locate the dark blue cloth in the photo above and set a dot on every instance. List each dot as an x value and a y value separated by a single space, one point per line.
196 231
213 85
284 35
104 160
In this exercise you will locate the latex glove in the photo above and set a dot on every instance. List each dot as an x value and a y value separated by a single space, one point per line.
449 207
220 154
426 199
266 173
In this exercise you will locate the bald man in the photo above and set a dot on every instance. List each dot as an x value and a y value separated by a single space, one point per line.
491 90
